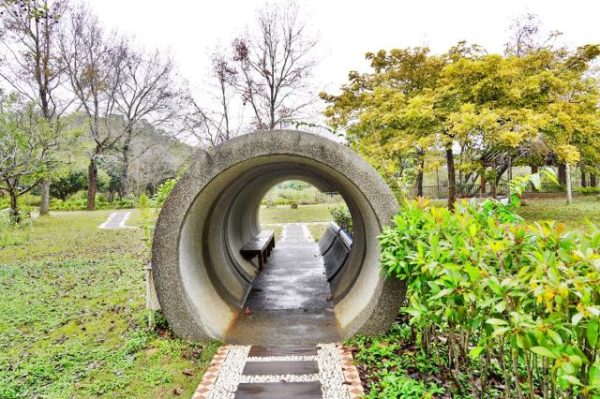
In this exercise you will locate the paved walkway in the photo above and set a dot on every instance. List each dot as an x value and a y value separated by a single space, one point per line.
289 301
290 325
116 220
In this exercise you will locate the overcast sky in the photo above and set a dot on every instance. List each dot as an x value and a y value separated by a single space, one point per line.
347 28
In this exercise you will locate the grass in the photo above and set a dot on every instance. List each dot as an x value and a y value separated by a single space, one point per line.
304 213
72 316
317 230
584 208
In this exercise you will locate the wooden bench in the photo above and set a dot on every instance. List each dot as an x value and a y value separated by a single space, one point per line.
260 246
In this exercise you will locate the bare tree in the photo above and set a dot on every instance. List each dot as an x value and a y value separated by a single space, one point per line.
93 61
225 75
526 36
211 123
274 65
34 69
146 91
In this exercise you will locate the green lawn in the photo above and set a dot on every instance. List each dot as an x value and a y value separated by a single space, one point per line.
304 213
584 208
72 317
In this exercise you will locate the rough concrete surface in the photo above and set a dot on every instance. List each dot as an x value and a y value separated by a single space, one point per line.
202 282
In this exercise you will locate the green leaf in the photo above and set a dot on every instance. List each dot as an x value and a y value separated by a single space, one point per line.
542 351
595 375
496 322
571 379
555 336
500 331
592 332
475 352
576 318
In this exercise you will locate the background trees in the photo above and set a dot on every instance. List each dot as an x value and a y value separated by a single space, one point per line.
491 111
32 65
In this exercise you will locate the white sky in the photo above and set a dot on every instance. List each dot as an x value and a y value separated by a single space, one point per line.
347 29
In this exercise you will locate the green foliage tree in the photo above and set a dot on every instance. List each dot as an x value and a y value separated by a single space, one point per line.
492 108
27 143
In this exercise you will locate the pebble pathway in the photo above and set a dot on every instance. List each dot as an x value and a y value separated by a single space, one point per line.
323 371
116 220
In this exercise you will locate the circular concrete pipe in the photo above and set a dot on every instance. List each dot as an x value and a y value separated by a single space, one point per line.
200 278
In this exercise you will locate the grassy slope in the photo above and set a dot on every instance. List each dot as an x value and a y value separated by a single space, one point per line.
584 208
304 213
72 316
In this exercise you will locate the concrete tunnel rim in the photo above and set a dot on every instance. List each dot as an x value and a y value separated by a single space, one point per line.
208 165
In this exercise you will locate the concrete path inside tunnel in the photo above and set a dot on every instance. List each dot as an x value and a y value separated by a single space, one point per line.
289 303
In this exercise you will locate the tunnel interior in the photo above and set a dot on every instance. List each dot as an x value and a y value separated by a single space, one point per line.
205 282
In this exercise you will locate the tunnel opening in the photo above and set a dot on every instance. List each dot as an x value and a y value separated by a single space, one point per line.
203 281
290 299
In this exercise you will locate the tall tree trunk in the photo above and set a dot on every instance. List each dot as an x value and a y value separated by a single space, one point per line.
92 184
482 183
124 186
593 182
45 196
583 177
534 170
15 215
451 177
568 181
562 174
420 177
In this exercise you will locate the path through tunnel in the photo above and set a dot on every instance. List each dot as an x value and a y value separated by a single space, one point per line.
290 300
203 282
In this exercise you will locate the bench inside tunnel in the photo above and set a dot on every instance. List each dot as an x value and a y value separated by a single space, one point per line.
335 246
260 246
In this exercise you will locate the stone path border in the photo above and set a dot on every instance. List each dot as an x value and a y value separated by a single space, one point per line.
351 374
337 375
116 220
212 372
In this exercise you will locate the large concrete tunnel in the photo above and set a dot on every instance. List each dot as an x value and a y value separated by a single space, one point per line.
200 278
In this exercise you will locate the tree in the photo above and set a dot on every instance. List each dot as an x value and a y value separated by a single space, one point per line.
34 67
274 64
27 143
94 63
213 125
147 91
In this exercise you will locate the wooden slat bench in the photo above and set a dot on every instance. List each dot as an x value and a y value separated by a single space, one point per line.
260 246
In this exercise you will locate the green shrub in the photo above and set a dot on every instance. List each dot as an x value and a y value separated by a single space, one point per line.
502 299
588 190
341 215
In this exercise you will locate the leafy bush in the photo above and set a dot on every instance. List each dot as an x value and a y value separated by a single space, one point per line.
78 202
514 307
588 190
341 215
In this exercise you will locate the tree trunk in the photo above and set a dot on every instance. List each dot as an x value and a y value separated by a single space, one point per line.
451 177
593 182
482 183
534 170
45 196
562 174
420 171
15 216
568 181
583 178
124 186
92 184
420 183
